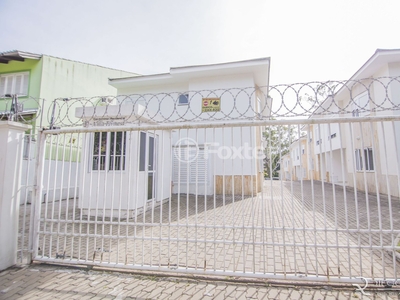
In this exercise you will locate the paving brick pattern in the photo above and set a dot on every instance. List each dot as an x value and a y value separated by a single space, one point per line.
291 228
54 282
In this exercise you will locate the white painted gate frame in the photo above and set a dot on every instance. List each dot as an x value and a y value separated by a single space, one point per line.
297 276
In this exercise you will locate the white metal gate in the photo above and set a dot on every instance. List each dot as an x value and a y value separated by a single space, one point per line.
301 199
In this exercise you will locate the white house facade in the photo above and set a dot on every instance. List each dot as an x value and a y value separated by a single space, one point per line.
201 161
362 155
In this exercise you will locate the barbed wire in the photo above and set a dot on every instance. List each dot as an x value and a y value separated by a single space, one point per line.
300 100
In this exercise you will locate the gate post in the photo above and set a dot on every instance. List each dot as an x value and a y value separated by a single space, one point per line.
11 149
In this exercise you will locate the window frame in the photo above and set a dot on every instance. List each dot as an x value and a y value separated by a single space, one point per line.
181 96
23 85
194 171
369 159
111 156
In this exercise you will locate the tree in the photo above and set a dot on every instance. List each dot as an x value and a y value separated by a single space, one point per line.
278 140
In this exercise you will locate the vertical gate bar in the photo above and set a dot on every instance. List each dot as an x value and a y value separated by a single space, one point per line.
105 190
313 177
33 242
170 197
68 195
89 144
48 150
321 168
179 197
243 209
27 148
324 182
389 204
378 195
333 194
280 193
366 197
396 276
252 171
233 231
224 182
66 165
346 213
54 197
272 201
129 164
90 139
80 160
138 159
146 179
205 202
112 136
188 182
161 172
197 192
122 168
151 201
292 199
310 173
61 196
214 245
352 144
97 210
82 190
154 196
243 228
304 169
263 204
282 216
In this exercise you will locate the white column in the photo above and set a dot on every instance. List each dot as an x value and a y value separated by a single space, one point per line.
11 147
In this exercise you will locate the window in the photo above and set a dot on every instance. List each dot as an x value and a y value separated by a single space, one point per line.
142 155
369 159
183 99
109 151
190 165
358 160
14 83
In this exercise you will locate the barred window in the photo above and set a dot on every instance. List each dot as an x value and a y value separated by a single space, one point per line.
109 151
369 159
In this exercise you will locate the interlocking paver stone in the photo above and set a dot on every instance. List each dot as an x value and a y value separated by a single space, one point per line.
151 287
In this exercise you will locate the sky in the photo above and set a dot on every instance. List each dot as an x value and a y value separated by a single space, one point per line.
308 40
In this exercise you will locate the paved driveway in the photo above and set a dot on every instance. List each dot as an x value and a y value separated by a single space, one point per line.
290 229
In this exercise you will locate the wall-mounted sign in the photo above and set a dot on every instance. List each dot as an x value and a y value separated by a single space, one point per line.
210 104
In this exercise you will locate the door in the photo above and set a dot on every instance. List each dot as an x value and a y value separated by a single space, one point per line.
148 162
151 168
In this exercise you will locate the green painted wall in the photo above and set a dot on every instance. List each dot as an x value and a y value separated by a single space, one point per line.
64 78
54 78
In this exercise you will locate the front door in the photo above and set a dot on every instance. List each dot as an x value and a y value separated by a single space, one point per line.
148 162
151 167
